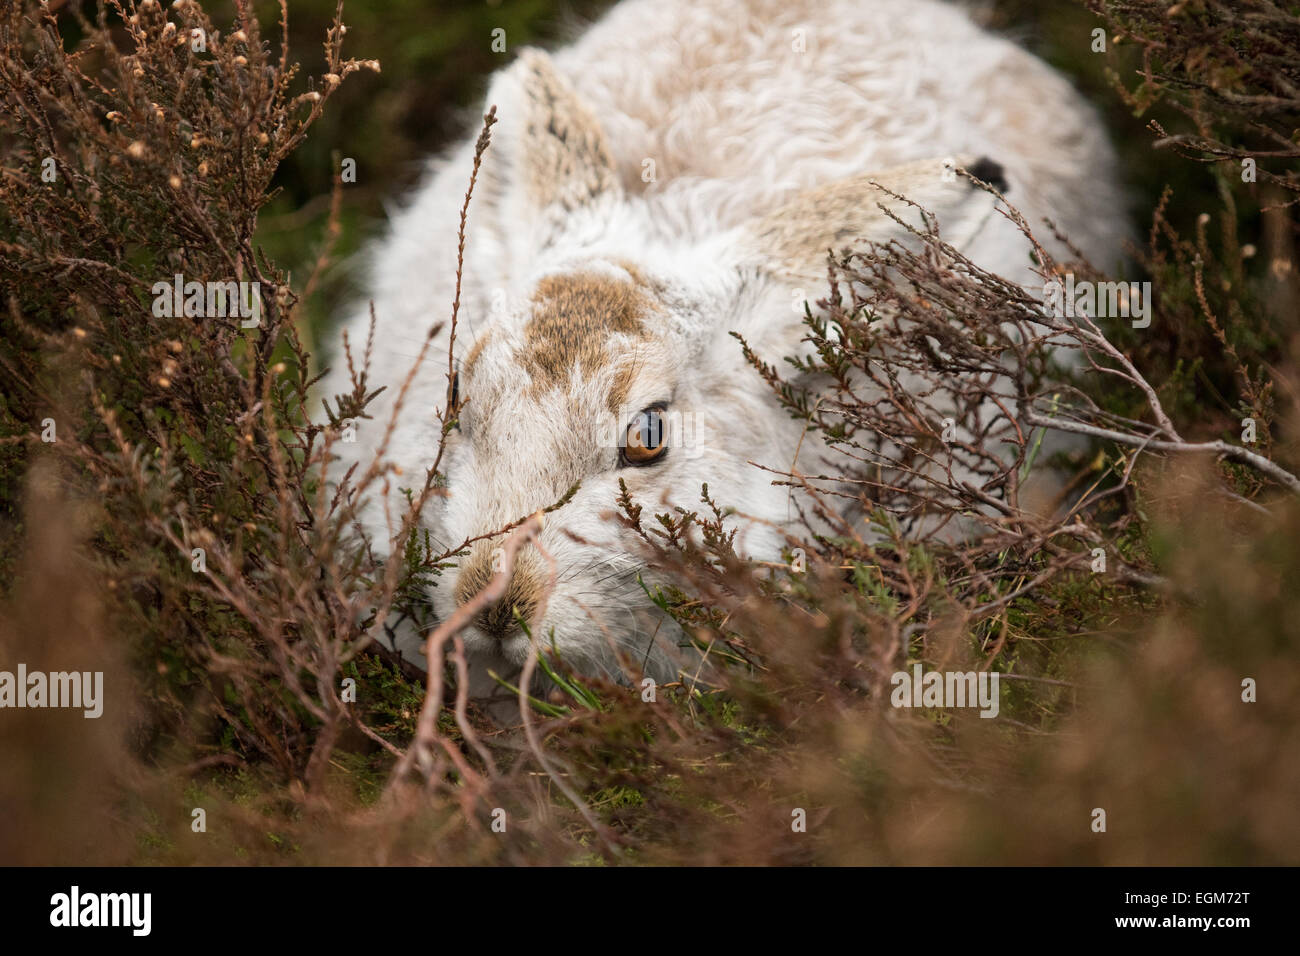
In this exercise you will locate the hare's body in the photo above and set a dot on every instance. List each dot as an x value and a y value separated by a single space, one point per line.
676 174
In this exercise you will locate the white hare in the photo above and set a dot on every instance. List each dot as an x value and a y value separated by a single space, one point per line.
675 174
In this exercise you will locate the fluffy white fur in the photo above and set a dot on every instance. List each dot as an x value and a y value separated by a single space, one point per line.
763 157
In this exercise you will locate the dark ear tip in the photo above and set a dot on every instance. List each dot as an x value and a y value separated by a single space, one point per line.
989 171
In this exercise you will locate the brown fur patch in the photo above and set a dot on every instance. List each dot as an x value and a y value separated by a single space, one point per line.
523 593
631 269
573 318
621 388
474 353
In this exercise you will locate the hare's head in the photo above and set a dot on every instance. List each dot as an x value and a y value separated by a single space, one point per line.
597 350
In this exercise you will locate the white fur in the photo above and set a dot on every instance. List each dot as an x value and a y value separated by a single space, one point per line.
739 126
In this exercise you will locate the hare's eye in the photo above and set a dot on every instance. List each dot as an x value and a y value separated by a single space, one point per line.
645 441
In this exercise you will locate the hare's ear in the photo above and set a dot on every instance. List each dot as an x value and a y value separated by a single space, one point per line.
548 157
793 240
788 247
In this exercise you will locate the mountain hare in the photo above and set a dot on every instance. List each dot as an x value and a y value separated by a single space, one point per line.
677 174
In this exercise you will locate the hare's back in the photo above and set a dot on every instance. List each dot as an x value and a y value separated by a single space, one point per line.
728 106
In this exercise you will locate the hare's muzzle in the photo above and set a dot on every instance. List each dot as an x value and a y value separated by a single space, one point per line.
523 594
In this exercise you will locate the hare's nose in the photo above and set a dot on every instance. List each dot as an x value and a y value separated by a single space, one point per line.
500 621
521 600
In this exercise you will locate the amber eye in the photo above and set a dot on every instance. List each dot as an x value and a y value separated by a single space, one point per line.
645 441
